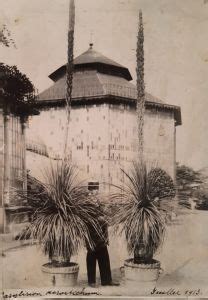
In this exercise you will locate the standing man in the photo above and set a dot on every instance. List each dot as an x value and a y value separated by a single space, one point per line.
99 253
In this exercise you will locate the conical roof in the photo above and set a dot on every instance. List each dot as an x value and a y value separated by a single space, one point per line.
93 60
91 56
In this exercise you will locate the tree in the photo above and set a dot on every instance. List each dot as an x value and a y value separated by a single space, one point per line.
14 85
202 196
162 185
187 181
5 37
140 85
186 176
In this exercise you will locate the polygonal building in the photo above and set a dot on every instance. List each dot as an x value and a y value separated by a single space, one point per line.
103 135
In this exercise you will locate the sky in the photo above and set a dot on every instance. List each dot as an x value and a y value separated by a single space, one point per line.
176 51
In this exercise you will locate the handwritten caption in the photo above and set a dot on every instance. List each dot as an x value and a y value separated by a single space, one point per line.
84 292
175 292
73 292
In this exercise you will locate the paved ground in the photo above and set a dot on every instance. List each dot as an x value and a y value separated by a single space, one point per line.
184 258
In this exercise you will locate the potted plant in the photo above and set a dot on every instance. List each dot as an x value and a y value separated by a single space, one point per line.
140 216
62 213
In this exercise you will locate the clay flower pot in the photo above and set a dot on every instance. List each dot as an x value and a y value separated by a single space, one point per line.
62 274
143 272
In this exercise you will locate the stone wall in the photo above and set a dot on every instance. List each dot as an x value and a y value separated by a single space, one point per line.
103 139
159 144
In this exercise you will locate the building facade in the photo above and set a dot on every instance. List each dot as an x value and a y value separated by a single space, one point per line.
103 123
12 167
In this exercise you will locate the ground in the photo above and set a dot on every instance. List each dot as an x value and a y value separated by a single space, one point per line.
184 259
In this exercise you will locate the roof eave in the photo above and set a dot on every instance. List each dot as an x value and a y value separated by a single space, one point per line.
94 99
53 76
95 65
176 109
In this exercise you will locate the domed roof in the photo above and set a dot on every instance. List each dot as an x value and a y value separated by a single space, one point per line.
93 60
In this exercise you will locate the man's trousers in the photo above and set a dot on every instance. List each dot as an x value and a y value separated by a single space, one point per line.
101 255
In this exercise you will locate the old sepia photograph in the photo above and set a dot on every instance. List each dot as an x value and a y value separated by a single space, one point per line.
103 149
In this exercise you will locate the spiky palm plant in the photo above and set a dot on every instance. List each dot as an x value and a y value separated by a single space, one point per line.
63 212
138 215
